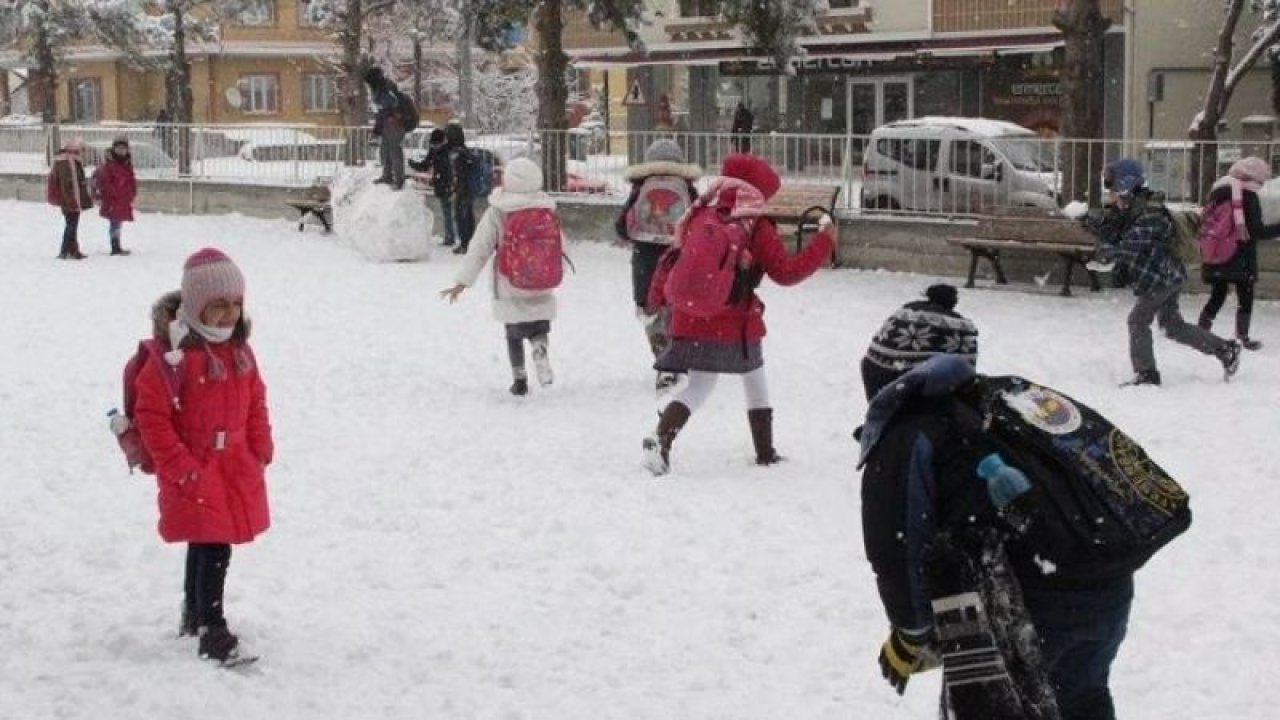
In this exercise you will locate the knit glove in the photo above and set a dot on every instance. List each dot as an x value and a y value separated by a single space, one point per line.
1004 482
905 653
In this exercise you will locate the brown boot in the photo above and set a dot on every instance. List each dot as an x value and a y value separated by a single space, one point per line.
761 420
657 447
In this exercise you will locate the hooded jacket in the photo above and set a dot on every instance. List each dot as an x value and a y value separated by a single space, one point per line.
117 188
211 448
73 189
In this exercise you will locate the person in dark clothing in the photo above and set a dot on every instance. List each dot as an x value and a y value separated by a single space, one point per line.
437 163
931 476
70 192
661 190
743 123
1240 186
1135 239
458 161
388 126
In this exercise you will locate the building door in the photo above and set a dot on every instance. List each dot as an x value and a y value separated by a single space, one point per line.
874 102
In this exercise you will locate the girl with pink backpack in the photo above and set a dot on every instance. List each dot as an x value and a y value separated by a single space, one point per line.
1234 260
726 228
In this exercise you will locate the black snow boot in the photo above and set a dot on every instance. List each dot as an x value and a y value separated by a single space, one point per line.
1243 321
217 643
1229 356
1145 377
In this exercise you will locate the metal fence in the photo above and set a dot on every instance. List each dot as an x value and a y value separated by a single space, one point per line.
919 172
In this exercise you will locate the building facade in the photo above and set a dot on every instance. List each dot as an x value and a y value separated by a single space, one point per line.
874 62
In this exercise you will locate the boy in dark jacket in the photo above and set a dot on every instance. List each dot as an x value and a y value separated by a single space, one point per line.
437 163
932 479
388 127
1135 239
457 160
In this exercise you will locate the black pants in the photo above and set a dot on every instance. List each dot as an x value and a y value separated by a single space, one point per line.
464 218
206 576
644 261
70 232
1244 304
517 333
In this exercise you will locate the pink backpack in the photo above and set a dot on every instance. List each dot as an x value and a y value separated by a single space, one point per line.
1220 237
130 439
661 202
530 255
713 249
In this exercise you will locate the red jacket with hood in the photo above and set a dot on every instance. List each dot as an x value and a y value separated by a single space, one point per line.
211 450
117 188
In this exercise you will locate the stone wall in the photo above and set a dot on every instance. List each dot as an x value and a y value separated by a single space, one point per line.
908 245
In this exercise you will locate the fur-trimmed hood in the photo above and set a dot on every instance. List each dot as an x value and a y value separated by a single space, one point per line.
165 310
688 171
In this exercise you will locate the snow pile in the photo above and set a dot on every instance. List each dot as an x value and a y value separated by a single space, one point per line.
382 224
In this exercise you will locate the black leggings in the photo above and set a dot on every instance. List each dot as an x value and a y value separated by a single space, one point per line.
70 241
206 576
1244 303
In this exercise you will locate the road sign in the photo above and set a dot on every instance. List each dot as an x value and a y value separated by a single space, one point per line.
634 95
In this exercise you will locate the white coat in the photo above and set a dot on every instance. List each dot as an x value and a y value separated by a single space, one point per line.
510 305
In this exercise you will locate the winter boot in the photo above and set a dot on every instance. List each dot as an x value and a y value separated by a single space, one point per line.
1243 320
761 420
541 363
217 643
520 386
657 447
187 625
1229 356
1145 377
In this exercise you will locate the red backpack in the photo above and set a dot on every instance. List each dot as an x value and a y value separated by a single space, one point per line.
530 255
1220 237
130 439
712 252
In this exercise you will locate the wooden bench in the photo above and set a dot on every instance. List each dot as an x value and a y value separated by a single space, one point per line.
797 204
315 203
1029 231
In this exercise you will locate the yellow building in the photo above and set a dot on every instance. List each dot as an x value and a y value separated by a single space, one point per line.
272 67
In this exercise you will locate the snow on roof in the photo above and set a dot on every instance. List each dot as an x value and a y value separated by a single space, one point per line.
977 126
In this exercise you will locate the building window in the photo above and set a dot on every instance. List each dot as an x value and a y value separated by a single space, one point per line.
261 93
306 14
699 8
842 4
319 93
257 12
86 100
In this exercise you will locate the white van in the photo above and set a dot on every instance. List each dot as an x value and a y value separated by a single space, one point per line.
958 165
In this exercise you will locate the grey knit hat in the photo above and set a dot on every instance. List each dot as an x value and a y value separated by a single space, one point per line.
664 150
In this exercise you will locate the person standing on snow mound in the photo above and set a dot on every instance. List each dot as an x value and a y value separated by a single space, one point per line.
387 126
1240 188
1135 239
661 190
940 501
521 227
212 443
724 335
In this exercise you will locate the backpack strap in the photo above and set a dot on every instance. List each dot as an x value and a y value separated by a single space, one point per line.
172 374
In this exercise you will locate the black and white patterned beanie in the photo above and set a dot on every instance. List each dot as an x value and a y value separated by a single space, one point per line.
919 330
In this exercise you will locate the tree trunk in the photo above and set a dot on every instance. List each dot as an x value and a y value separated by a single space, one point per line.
6 106
417 68
552 93
1204 130
1083 27
354 104
46 76
466 70
178 97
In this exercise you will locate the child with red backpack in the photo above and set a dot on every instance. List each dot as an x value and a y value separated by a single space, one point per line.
1231 226
661 190
521 227
725 245
200 409
68 190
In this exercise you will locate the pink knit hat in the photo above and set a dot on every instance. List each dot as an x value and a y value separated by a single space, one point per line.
208 275
1253 171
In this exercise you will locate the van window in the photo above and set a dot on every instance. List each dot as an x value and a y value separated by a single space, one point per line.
917 154
968 157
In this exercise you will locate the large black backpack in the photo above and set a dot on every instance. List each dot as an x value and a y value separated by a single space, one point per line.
1099 506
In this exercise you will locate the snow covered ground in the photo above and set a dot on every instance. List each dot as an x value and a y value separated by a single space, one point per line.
441 549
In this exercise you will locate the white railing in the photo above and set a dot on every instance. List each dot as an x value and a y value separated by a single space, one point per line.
915 175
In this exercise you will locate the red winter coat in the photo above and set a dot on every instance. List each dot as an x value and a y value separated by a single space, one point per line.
117 188
208 495
745 321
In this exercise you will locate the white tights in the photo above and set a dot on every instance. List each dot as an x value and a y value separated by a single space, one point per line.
754 384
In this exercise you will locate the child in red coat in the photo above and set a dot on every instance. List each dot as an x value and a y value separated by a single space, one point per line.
730 342
211 443
117 187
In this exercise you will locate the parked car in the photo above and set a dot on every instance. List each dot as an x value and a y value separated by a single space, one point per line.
148 158
963 165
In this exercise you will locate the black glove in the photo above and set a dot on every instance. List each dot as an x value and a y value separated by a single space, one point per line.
905 653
